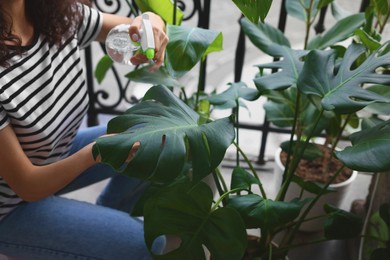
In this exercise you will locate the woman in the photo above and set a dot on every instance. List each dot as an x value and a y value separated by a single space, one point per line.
43 98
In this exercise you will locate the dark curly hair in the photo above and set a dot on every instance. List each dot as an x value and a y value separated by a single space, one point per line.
52 18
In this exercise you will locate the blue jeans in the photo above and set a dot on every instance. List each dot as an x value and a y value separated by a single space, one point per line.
58 228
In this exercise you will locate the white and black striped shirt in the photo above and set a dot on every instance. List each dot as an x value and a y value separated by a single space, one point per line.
43 95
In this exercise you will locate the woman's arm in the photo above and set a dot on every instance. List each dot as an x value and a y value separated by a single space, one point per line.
31 182
160 38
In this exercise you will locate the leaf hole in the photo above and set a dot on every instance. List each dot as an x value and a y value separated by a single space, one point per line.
163 138
172 242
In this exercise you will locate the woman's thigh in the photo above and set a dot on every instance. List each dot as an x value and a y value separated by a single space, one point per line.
97 172
59 228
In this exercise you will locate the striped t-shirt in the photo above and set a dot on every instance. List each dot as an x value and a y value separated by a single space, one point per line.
43 95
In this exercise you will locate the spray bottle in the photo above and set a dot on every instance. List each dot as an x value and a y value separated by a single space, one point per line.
121 48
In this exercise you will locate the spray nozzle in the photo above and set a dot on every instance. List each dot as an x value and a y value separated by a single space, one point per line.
147 38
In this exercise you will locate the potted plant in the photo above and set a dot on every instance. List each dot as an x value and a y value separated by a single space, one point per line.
291 105
181 144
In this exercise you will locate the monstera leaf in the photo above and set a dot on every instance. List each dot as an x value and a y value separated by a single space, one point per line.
185 211
369 150
340 85
288 68
170 135
262 213
236 92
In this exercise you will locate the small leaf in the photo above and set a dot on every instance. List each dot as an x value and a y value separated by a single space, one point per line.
311 152
242 179
341 224
312 187
342 30
369 150
164 8
254 9
298 9
228 99
368 41
264 214
188 46
263 35
102 67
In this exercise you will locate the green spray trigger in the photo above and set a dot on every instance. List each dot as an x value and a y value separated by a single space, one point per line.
147 38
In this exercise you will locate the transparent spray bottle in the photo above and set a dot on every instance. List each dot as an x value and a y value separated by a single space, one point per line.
121 48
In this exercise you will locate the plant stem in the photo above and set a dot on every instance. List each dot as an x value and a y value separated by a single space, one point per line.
281 193
221 179
340 134
311 205
200 86
295 162
263 194
236 111
223 197
308 23
184 95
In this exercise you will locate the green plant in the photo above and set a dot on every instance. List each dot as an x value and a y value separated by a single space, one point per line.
312 91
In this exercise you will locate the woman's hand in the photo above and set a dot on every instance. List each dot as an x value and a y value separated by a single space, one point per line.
160 39
130 156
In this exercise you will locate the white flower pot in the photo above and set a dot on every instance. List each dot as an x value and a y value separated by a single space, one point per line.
334 198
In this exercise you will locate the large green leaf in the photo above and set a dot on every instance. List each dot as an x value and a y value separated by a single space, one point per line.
188 46
254 9
341 224
289 68
340 85
169 133
164 8
369 150
185 211
339 32
264 213
230 97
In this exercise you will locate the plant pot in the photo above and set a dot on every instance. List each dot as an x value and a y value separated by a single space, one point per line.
334 198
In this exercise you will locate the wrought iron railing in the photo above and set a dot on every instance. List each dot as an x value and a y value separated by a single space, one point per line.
102 101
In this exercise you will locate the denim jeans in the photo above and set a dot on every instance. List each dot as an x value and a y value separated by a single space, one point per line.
59 228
